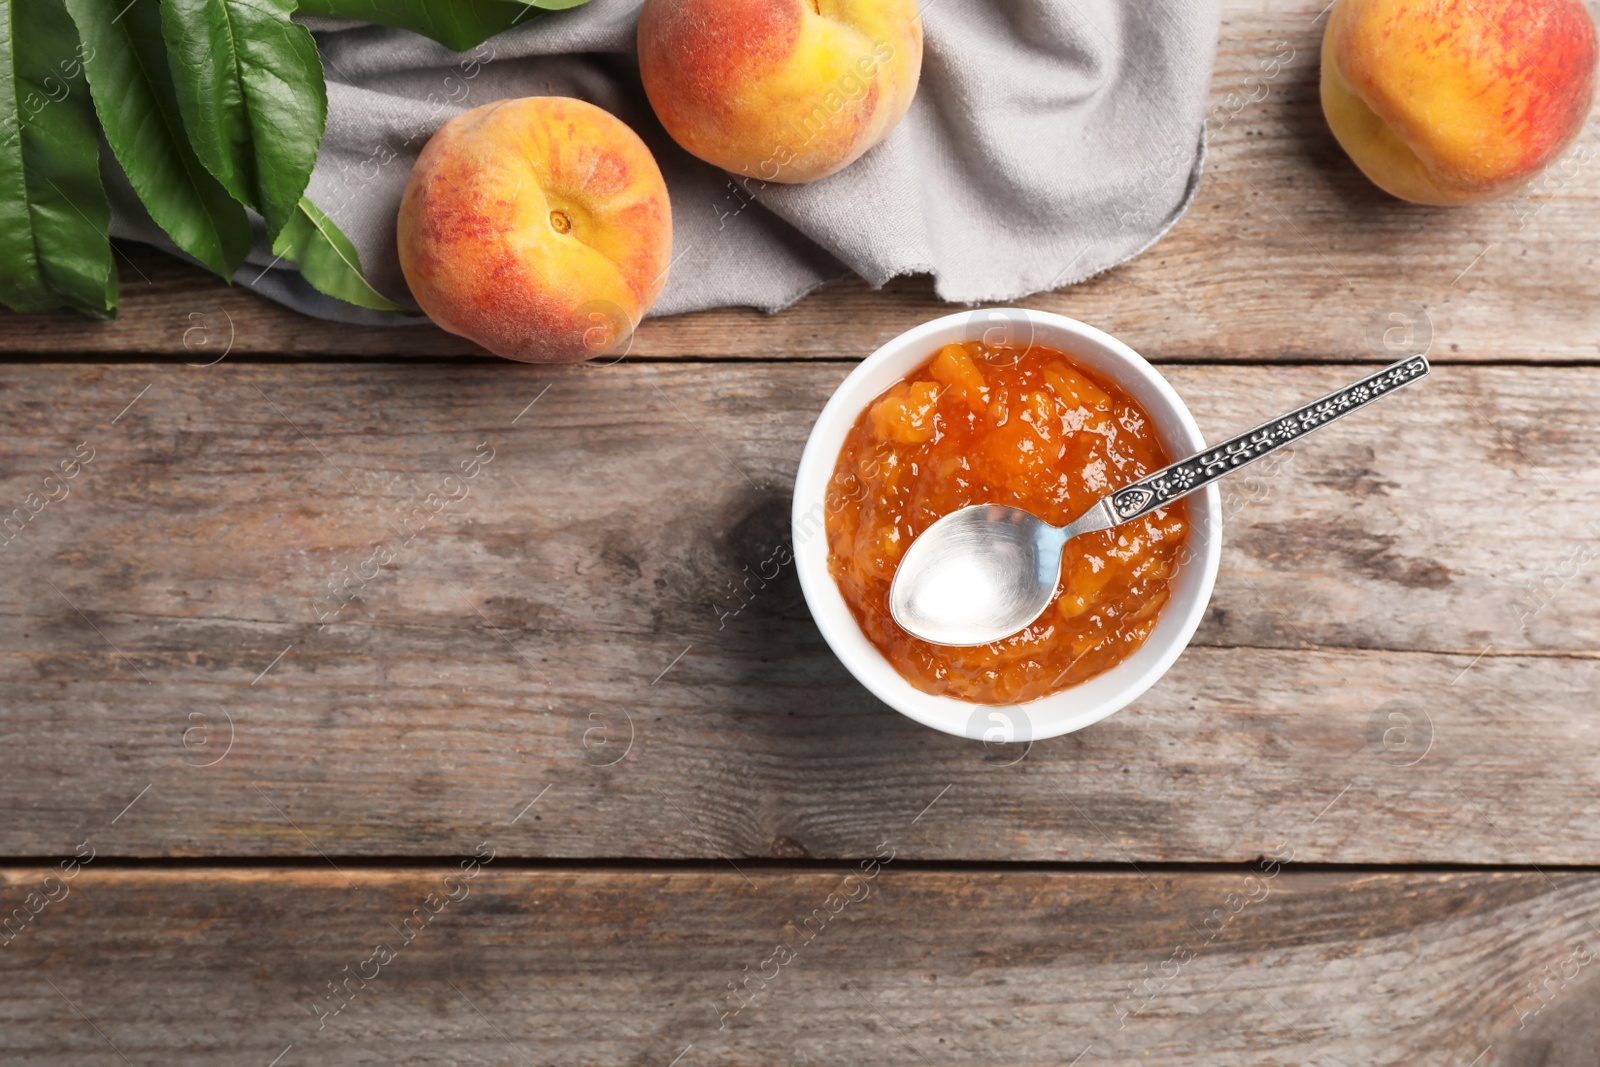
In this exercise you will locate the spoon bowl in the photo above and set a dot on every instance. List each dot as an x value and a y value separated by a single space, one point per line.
974 573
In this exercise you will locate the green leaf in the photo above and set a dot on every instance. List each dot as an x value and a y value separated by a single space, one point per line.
327 259
138 107
54 248
456 24
251 92
21 279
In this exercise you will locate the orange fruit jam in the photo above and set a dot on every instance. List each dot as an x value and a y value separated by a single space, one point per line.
982 425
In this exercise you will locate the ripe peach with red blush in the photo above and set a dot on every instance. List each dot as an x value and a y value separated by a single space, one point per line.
539 228
1456 101
780 90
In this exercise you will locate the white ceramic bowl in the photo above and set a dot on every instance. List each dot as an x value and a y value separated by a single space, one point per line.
1071 709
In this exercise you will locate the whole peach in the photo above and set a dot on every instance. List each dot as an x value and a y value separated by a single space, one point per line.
539 228
1455 101
780 90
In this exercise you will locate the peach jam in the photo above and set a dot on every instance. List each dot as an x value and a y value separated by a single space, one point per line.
979 425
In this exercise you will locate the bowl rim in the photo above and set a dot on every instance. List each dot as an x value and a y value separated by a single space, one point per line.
1057 713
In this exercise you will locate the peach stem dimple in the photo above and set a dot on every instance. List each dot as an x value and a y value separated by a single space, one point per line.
560 222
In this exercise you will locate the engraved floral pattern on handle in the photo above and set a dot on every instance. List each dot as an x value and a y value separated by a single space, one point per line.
1203 468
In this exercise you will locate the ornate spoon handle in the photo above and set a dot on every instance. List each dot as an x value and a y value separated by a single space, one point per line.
1203 468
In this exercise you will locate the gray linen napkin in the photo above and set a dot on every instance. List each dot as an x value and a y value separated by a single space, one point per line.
1049 140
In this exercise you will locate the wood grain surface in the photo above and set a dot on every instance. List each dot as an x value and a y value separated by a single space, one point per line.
247 603
1260 966
1288 252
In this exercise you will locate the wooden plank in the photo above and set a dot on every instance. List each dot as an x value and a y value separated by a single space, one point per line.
580 592
608 967
1459 514
171 308
1288 252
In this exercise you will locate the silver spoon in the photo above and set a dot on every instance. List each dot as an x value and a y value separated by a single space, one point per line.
984 572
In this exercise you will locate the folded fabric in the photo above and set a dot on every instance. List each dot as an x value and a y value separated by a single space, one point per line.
1049 140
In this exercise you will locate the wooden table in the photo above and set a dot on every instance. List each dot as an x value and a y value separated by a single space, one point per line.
275 689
